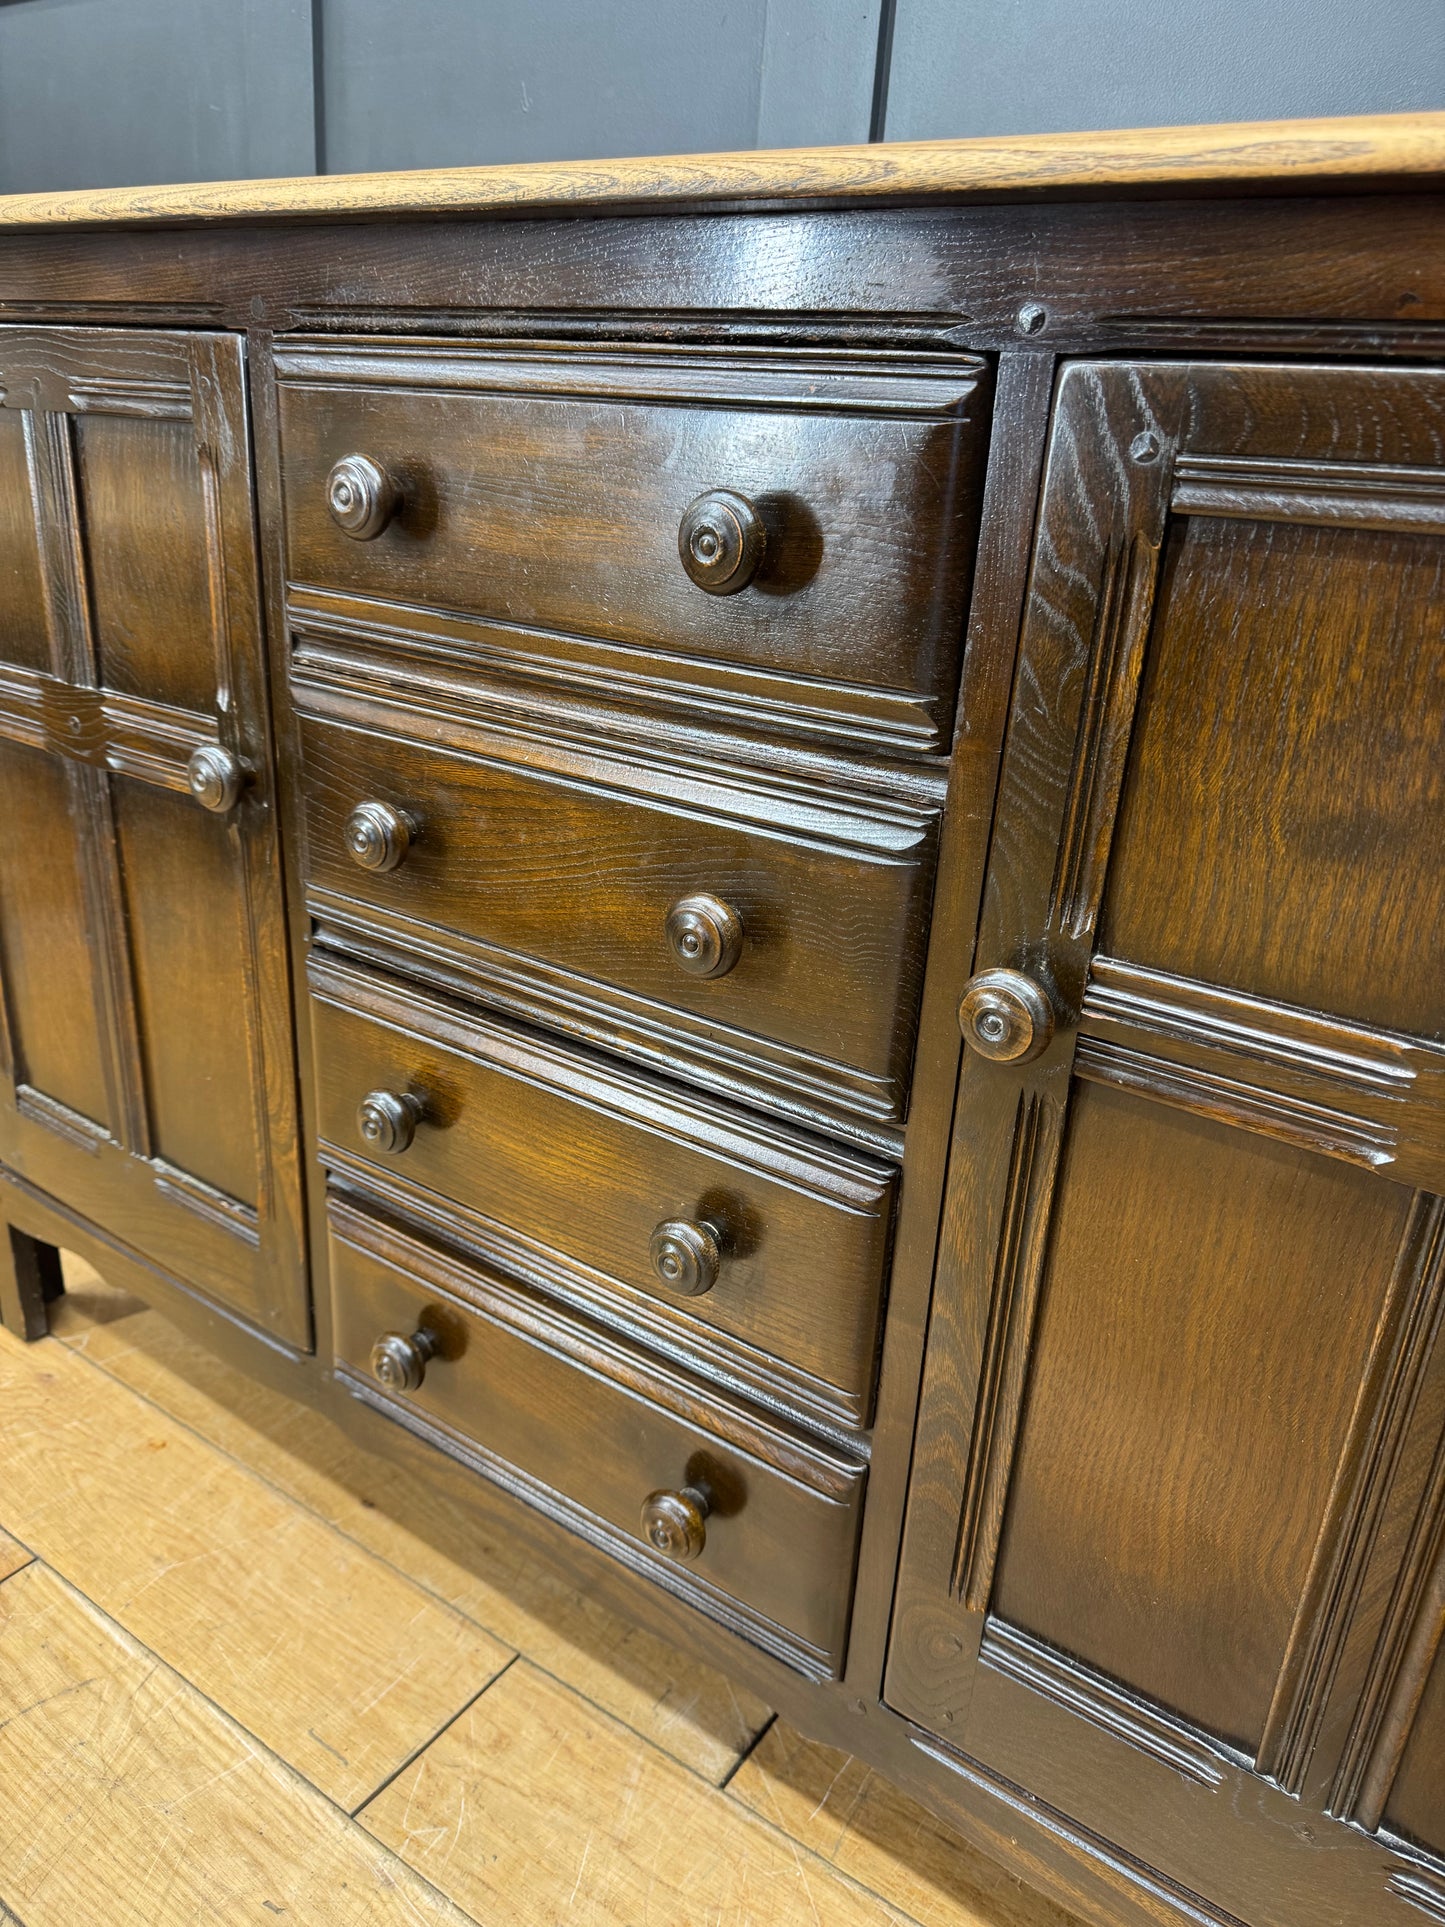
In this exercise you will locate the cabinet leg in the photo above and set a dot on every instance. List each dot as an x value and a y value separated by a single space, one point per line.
29 1279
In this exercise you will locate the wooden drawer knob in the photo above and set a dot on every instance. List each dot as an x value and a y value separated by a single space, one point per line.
215 777
705 935
361 497
399 1363
675 1523
1006 1016
378 837
721 540
387 1121
685 1256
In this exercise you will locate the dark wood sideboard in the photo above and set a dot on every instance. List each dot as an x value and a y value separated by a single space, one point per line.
749 855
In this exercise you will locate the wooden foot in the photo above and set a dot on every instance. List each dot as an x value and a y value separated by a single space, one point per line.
29 1279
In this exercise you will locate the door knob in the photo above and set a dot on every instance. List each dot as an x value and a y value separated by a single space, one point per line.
377 836
361 497
399 1363
705 935
387 1121
685 1256
215 778
1006 1016
675 1523
721 540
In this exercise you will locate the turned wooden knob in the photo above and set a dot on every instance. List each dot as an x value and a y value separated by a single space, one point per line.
705 935
685 1256
675 1523
721 540
1006 1016
377 836
361 497
399 1363
387 1121
215 777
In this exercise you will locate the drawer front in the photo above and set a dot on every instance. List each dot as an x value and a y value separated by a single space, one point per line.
769 1252
582 1431
546 498
561 875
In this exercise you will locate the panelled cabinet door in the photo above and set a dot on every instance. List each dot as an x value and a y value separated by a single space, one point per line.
148 1075
1173 1554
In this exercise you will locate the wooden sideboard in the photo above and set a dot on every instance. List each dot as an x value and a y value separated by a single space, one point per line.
746 853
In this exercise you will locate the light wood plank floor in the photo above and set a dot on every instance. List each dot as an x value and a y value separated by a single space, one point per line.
233 1688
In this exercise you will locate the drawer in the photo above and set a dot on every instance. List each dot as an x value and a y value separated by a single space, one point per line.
761 1523
550 500
754 1252
569 886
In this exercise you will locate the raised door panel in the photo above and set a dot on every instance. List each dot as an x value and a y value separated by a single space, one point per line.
1161 1527
1184 1376
56 1049
152 1086
22 599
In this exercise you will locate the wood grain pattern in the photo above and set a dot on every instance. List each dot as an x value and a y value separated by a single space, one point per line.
1309 768
13 1556
553 864
1218 1233
521 1392
531 1808
558 1168
331 1659
1095 1542
545 496
1393 148
670 1698
1416 1806
139 479
130 1798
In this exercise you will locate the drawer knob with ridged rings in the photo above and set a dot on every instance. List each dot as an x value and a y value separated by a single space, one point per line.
722 540
215 778
1006 1016
387 1121
675 1523
378 837
361 497
705 935
686 1256
399 1362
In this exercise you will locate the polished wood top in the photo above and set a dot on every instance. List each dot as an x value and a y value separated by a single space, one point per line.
1323 155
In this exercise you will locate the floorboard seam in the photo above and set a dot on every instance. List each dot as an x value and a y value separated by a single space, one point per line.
421 1585
277 1760
353 1818
747 1753
430 1741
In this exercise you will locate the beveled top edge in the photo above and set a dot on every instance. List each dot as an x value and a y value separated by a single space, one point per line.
1249 156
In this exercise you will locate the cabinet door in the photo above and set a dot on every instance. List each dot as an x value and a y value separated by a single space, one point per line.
1179 1438
148 1068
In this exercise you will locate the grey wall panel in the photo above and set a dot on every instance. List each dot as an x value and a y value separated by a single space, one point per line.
104 93
819 62
1036 66
440 83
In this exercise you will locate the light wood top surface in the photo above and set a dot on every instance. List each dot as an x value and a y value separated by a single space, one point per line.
1335 155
